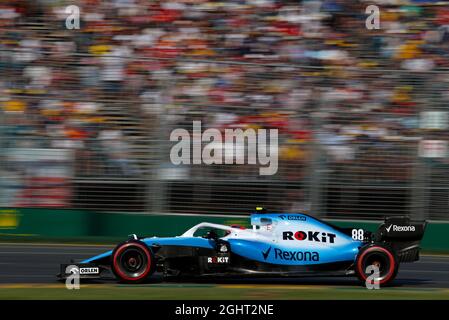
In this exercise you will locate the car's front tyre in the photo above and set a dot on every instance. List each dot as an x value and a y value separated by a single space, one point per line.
380 257
133 262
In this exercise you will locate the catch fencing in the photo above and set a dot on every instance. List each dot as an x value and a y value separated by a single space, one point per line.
353 143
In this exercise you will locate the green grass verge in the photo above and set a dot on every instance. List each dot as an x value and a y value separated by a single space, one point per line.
214 292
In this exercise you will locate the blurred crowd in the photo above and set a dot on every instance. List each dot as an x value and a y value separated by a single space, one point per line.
309 68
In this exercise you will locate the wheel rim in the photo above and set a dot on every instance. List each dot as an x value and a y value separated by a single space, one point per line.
380 258
132 262
380 261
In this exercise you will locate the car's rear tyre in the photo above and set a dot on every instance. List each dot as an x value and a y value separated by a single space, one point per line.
381 257
132 262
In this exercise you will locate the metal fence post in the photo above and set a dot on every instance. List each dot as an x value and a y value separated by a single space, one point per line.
3 200
317 181
419 195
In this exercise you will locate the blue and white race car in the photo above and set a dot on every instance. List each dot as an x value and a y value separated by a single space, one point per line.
278 244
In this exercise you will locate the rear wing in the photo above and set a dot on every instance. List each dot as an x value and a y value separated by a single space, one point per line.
401 228
404 235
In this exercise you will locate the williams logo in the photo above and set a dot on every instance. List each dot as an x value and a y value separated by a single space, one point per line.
310 235
292 255
290 217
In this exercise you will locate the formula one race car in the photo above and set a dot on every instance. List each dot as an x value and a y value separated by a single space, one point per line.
288 244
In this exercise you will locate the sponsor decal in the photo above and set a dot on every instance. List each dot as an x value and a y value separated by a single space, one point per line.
396 228
9 219
292 217
223 248
217 260
316 236
292 255
89 270
266 253
296 255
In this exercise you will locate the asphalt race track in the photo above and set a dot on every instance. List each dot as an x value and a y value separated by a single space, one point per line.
39 263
